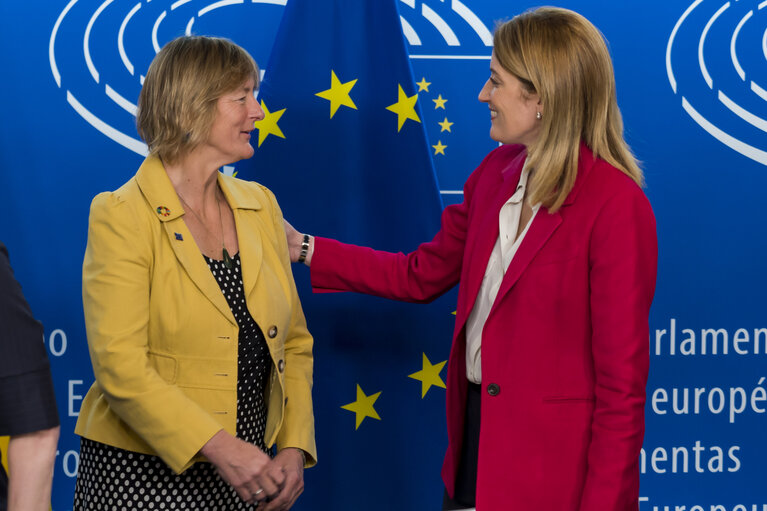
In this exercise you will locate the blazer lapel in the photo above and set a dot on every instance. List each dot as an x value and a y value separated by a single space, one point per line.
543 227
250 229
483 243
161 196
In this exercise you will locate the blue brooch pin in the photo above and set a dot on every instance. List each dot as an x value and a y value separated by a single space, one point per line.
178 236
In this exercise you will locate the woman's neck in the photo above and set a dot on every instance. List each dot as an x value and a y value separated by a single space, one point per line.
194 180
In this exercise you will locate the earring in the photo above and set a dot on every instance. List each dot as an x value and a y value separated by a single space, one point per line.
538 116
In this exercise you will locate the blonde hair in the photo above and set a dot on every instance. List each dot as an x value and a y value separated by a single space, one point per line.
177 103
562 57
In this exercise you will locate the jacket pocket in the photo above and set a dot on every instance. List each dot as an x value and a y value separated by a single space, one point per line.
165 365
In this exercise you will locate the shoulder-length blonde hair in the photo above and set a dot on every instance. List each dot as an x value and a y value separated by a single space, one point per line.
177 103
562 57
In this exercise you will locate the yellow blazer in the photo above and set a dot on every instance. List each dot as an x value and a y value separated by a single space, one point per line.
161 336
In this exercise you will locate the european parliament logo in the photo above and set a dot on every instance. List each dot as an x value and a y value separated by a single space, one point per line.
715 60
98 51
439 22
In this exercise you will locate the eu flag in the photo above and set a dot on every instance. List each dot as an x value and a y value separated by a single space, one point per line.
344 149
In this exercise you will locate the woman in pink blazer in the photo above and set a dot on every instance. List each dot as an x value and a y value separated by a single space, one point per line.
555 250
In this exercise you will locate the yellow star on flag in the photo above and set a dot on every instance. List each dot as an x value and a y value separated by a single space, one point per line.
338 93
439 102
423 85
404 107
439 148
363 406
445 125
429 375
268 125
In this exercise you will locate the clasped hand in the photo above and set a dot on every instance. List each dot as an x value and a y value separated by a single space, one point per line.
274 484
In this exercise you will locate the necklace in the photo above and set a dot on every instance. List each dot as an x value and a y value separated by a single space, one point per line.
224 253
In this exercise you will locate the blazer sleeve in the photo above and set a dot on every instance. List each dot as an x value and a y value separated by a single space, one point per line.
27 401
421 276
116 288
298 422
623 267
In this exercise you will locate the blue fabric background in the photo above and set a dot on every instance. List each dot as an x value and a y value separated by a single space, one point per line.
706 189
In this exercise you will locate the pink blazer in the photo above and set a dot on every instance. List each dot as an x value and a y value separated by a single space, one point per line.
565 344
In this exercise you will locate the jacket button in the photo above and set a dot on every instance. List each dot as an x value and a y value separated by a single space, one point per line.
281 365
493 389
272 332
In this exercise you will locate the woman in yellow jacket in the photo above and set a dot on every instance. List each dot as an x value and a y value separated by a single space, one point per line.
202 359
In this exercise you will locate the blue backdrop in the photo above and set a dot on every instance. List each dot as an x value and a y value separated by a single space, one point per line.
692 86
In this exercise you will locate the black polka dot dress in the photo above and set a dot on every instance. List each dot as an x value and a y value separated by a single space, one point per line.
110 478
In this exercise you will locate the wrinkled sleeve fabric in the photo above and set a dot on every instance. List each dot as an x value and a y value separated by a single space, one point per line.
623 266
421 276
116 287
27 401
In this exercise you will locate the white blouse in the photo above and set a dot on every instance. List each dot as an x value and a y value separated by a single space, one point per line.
503 252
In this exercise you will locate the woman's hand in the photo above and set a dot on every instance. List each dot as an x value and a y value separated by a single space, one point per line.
291 460
250 471
295 239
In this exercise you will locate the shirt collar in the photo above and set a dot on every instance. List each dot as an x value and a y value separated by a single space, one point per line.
159 192
519 193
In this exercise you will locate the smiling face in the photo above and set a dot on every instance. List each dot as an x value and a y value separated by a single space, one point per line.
513 109
229 135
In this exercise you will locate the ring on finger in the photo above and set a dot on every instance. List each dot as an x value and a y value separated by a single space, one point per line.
254 496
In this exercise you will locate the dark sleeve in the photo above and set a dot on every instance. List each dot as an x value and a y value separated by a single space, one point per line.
27 402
